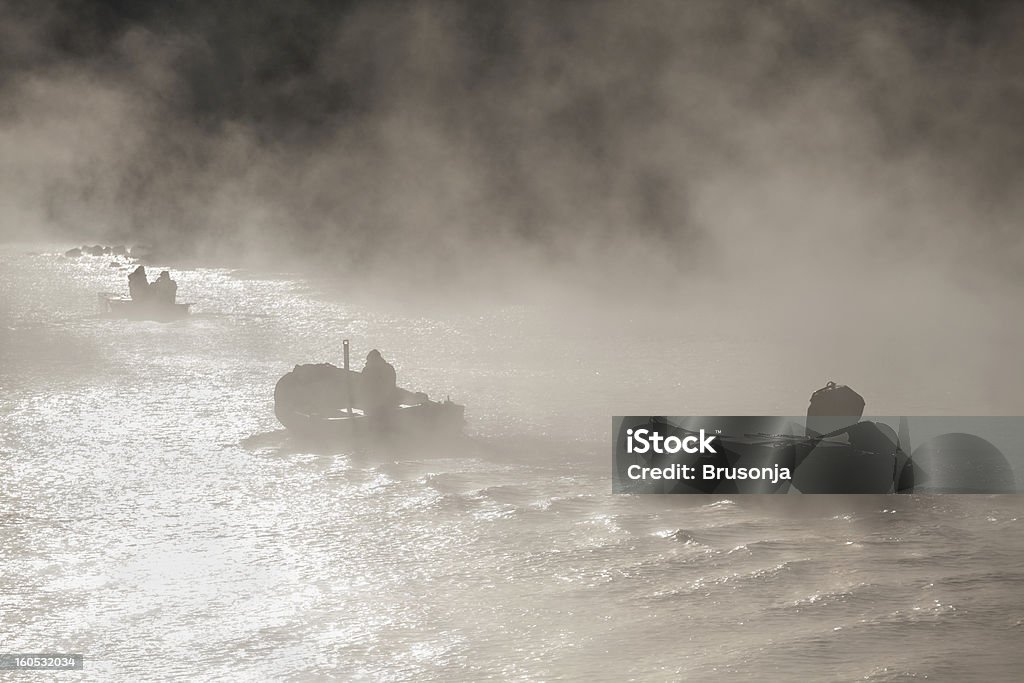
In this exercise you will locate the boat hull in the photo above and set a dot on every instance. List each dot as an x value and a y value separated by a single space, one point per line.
324 402
128 309
427 419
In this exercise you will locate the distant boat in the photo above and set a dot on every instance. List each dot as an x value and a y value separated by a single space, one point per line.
323 401
129 309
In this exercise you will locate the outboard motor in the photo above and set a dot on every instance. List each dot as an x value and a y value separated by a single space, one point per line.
964 463
833 407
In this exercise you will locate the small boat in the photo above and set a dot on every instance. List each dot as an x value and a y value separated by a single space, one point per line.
832 451
129 309
323 401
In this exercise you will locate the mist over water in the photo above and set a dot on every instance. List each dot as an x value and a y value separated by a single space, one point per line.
553 214
157 519
451 134
844 175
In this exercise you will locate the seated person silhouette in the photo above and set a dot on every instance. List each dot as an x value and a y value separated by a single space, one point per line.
138 285
846 454
378 386
165 290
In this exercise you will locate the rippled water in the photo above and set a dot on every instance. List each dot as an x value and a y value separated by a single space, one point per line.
154 518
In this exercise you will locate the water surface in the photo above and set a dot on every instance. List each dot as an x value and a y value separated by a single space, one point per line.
154 517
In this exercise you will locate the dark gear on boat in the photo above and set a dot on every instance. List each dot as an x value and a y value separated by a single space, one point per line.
833 407
378 386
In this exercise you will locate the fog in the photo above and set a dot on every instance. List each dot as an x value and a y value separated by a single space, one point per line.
551 213
840 177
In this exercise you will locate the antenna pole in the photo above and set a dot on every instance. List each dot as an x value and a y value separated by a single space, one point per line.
348 377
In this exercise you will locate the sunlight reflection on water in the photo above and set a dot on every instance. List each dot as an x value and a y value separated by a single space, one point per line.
137 529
